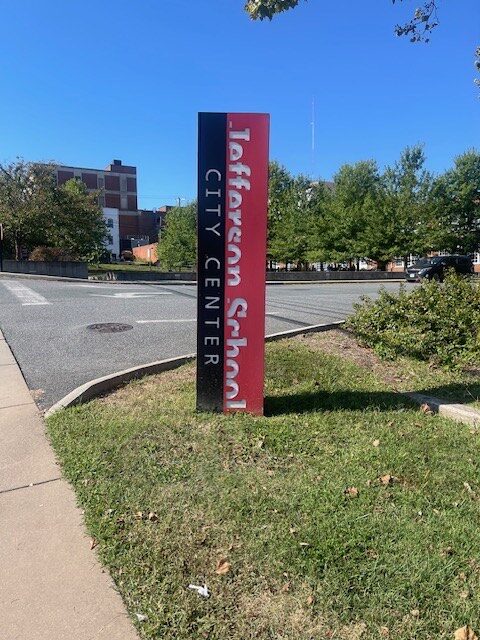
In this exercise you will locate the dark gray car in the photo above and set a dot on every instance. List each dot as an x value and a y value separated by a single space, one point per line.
435 268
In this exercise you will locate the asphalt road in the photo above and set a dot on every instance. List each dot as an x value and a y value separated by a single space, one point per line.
46 324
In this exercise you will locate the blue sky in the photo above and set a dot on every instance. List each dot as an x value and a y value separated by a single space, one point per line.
85 82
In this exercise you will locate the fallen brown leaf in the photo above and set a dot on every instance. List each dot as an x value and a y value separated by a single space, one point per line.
387 479
469 488
310 600
152 516
223 567
93 543
465 633
415 613
384 632
351 492
376 443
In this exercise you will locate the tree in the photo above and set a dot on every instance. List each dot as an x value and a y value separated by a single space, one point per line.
178 245
457 198
36 212
355 195
409 204
76 223
418 29
295 210
26 195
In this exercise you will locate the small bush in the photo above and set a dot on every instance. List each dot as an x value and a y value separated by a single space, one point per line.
436 322
50 254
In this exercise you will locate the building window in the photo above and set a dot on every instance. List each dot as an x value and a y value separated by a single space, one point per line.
110 239
110 223
476 258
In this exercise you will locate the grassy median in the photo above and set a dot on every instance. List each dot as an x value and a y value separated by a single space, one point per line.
345 512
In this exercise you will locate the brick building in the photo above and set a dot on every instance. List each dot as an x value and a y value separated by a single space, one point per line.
117 184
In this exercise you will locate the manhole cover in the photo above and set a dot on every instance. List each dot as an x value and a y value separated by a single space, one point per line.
109 327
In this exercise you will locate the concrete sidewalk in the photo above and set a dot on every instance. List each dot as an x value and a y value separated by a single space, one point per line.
52 586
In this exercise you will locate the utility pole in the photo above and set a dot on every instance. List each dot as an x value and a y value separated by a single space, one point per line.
313 136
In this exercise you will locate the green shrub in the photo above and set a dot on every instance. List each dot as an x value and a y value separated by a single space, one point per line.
436 322
51 254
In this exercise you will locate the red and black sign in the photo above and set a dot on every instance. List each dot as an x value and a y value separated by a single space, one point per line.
232 232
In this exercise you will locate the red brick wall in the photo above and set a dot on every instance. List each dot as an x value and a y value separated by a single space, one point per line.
64 176
141 253
128 225
121 168
132 203
112 200
112 183
90 179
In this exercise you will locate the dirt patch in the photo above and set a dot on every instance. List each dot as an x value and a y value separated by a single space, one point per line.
285 614
344 345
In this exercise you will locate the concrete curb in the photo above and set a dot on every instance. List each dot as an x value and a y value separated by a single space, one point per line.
102 385
33 276
99 386
313 328
269 283
454 411
191 283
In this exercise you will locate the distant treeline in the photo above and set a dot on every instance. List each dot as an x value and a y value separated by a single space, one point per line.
364 213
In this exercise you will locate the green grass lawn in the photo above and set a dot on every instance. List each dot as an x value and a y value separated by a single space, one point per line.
403 374
343 513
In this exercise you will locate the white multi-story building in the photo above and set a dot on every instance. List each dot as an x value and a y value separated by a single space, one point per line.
112 244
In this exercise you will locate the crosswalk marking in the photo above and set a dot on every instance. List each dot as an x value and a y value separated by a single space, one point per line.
27 296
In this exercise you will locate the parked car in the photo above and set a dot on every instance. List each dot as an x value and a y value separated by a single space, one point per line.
435 268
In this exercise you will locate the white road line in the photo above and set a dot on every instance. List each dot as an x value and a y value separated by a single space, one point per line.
101 287
27 296
131 295
165 321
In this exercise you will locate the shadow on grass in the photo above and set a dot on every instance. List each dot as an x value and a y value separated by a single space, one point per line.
348 400
456 393
322 400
